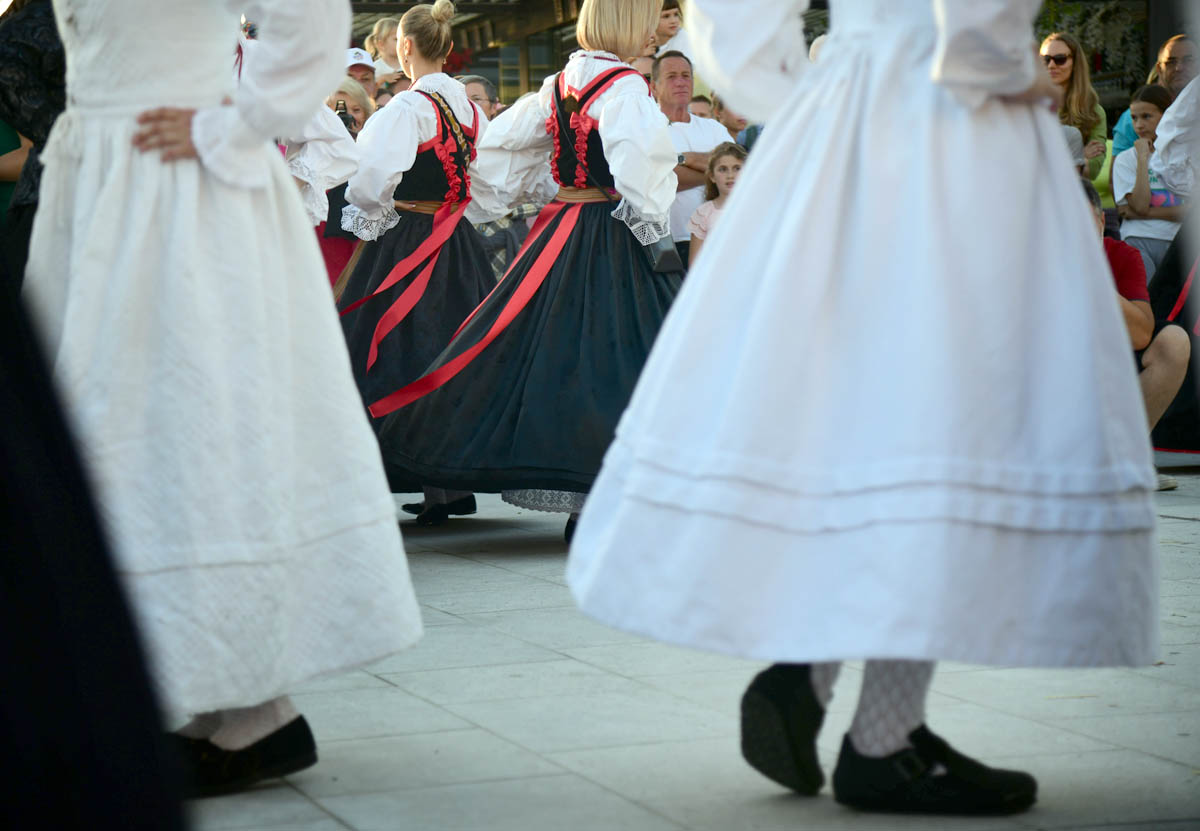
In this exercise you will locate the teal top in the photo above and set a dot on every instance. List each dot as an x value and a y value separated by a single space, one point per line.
9 141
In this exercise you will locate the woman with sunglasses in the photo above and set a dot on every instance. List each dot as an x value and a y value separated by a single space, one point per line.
1067 65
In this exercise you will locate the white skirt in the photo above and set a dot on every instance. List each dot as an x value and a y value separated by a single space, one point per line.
893 412
194 338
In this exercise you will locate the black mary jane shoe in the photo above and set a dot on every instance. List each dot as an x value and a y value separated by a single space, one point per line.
459 507
931 777
213 771
781 718
434 515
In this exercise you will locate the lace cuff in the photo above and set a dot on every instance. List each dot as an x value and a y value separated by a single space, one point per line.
368 228
646 229
312 193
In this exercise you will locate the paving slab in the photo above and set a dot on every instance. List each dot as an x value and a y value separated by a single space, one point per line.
517 712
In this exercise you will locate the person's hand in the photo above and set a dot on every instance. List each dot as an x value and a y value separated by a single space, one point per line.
1094 149
1126 211
389 78
167 129
1042 89
1143 147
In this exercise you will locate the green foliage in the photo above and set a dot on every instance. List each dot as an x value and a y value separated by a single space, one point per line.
1116 29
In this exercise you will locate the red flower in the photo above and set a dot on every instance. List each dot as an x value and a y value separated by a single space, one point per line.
458 62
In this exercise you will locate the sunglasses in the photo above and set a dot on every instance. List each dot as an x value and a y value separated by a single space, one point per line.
1059 60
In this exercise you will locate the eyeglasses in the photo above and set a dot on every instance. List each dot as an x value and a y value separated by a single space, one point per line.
1186 60
1059 60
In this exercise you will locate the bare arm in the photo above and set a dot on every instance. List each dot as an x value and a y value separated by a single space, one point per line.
1139 197
12 161
1174 213
1139 321
688 178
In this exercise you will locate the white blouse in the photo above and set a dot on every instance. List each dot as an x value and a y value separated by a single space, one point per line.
759 54
290 70
387 147
322 156
514 159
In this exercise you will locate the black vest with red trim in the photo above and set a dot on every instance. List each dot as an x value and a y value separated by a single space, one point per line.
570 122
439 172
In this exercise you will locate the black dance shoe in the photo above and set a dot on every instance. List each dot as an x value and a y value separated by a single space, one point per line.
434 515
781 718
212 771
929 778
459 507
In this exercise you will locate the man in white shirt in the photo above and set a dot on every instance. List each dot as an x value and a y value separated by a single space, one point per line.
694 140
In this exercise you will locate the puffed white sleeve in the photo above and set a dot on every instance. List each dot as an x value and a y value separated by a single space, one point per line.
1177 142
641 158
512 162
984 48
387 148
750 51
322 156
298 57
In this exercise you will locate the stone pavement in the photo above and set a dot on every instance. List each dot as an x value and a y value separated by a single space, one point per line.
517 713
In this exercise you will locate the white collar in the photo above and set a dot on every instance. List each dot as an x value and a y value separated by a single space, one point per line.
595 54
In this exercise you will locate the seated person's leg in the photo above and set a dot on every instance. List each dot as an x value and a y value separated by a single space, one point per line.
1164 363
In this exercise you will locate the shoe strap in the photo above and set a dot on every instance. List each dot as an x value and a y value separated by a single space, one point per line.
910 765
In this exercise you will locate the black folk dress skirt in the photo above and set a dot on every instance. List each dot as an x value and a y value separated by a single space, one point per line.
80 726
461 280
538 406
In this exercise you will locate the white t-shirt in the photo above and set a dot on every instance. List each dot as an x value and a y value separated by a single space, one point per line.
700 135
1124 175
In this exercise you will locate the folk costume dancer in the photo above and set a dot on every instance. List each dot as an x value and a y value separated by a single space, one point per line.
257 554
525 399
425 270
864 453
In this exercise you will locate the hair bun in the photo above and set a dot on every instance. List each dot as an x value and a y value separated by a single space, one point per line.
442 11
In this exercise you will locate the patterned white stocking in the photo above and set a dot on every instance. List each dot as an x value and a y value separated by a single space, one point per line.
244 726
823 676
891 706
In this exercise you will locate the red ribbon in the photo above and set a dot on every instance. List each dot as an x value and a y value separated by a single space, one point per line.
543 219
444 222
525 291
1183 293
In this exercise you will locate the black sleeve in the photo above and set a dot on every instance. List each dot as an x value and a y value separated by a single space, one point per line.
32 71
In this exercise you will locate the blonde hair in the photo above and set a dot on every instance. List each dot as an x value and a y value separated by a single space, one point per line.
350 88
1080 103
384 26
621 27
429 27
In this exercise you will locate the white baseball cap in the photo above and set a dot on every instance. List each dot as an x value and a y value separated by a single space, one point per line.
357 56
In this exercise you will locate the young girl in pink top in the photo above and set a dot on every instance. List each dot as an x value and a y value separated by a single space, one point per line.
724 165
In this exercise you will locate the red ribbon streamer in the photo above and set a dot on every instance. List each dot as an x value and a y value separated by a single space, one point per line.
444 223
544 216
525 291
1183 293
